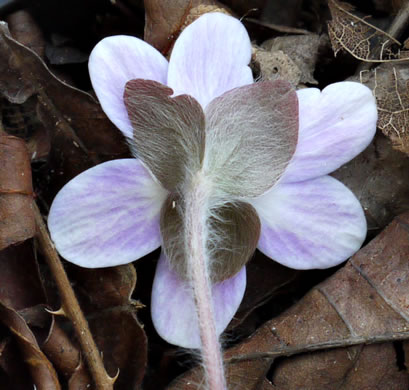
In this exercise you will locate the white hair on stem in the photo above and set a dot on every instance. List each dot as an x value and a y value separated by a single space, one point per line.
197 257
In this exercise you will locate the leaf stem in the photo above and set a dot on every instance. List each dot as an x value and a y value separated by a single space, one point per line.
71 308
198 269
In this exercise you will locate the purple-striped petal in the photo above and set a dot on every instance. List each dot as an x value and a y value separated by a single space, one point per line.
173 309
112 63
210 57
335 125
317 223
107 215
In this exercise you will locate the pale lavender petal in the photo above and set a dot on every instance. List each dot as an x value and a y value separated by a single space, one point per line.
210 57
107 215
173 310
335 125
112 63
317 223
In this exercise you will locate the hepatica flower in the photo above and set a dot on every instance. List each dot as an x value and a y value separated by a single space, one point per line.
222 165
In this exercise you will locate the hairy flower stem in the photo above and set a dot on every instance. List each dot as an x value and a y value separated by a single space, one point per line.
198 268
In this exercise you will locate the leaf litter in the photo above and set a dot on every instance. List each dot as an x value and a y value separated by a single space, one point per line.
283 337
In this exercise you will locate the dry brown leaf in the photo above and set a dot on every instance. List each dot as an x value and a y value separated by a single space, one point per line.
16 192
166 19
390 85
72 116
342 369
379 178
365 302
265 278
302 49
105 296
42 371
21 120
267 385
360 38
24 29
19 277
66 357
275 64
13 372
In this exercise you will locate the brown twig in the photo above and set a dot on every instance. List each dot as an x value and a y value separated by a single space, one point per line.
71 309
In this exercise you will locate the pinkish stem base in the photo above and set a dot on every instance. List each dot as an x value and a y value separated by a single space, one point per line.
198 261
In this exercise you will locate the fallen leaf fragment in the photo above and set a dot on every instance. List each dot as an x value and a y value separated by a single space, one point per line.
390 85
66 357
81 134
303 51
105 296
360 38
275 64
16 192
265 278
42 371
166 19
14 373
343 369
365 302
19 277
379 178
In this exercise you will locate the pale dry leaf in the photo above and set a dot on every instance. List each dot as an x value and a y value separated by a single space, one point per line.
360 38
274 64
392 97
302 49
390 85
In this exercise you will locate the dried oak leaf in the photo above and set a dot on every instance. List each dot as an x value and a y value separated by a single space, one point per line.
365 302
164 20
360 38
16 192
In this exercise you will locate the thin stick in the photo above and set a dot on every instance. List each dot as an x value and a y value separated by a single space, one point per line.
197 263
71 309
